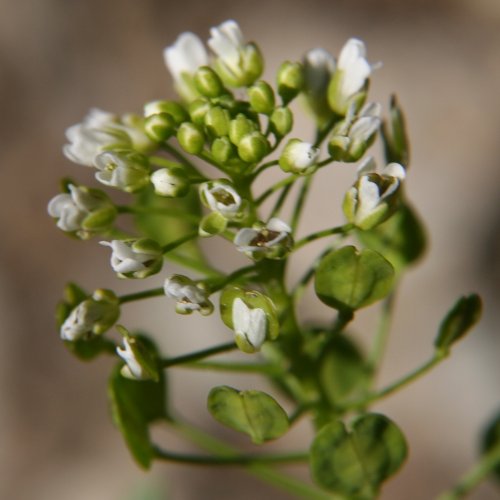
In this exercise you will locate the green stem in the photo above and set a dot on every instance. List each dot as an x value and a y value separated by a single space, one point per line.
177 243
297 211
321 234
263 471
216 285
146 294
194 356
163 162
276 187
230 459
266 368
263 167
322 134
474 476
382 333
194 265
173 212
395 386
281 200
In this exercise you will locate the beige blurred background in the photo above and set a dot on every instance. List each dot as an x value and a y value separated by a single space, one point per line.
58 58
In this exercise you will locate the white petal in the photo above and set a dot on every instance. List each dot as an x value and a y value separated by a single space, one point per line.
278 225
240 316
367 166
394 170
244 237
352 50
256 333
368 198
186 55
364 128
58 204
303 154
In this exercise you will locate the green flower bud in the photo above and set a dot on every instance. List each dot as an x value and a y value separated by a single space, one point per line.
281 121
159 127
290 80
217 121
222 150
253 147
191 138
83 211
171 182
93 316
261 97
172 108
239 127
208 83
125 170
298 157
212 224
135 258
375 195
198 109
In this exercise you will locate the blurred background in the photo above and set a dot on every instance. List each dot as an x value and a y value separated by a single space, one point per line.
59 58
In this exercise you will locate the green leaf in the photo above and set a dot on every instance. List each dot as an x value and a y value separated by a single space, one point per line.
356 463
348 279
134 406
401 239
252 412
491 441
342 370
461 318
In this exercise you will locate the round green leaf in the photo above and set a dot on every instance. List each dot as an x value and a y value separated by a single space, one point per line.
461 318
356 463
401 239
348 279
252 412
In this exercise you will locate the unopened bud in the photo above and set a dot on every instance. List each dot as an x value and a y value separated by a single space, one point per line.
191 138
281 121
172 108
217 121
253 147
208 82
261 97
159 127
170 182
290 80
240 127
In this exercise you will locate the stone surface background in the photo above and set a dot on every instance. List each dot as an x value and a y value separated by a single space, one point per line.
59 58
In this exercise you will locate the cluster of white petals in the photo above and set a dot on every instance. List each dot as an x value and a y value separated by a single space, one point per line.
249 324
188 295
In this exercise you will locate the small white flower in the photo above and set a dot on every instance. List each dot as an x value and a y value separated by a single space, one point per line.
97 132
226 40
273 241
367 123
355 67
170 183
135 258
221 197
132 369
373 197
238 63
298 156
74 208
127 171
249 324
189 296
183 58
93 316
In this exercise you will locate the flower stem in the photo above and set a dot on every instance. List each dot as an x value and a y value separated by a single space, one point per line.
276 187
230 459
263 368
179 156
321 234
146 294
177 243
281 200
474 476
194 356
395 386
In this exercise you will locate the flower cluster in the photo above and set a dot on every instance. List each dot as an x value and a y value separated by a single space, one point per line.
196 168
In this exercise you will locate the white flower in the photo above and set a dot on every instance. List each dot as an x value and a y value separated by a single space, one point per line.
135 258
319 66
226 40
93 316
273 241
221 197
189 296
298 156
133 368
367 123
77 209
97 132
238 63
183 58
373 198
355 67
250 325
170 182
124 170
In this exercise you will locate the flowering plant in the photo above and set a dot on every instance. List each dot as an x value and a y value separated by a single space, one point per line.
240 126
